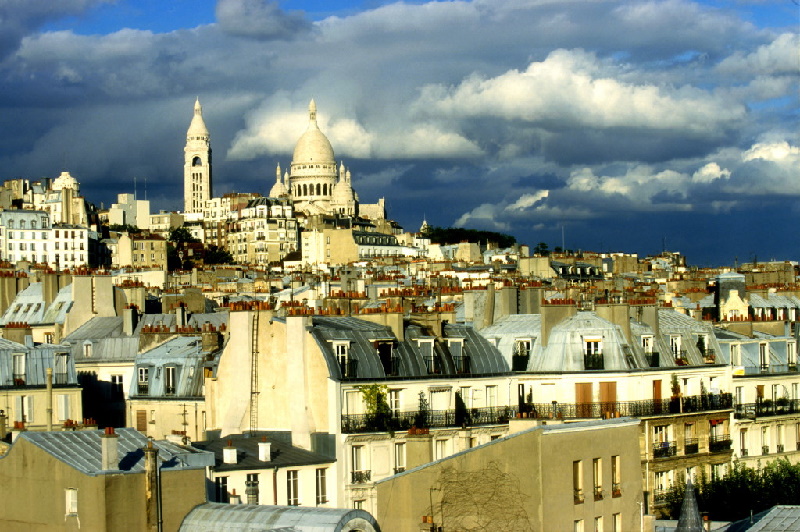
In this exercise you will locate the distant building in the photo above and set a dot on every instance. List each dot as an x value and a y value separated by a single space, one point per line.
197 181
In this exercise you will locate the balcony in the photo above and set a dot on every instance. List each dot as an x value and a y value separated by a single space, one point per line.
399 469
397 421
432 365
779 448
766 408
765 449
709 357
616 490
598 493
519 362
577 496
680 357
691 446
361 477
653 359
660 495
719 443
744 453
143 388
593 361
169 390
664 449
19 379
348 368
462 365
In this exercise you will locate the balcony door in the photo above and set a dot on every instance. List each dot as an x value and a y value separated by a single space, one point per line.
608 399
583 399
657 397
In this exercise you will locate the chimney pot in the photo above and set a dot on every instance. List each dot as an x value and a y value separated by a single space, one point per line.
229 455
264 451
109 449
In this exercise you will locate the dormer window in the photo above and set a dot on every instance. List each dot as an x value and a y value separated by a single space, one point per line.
143 380
432 363
347 367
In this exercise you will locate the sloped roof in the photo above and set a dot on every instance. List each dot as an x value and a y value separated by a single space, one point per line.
283 454
81 450
781 518
28 306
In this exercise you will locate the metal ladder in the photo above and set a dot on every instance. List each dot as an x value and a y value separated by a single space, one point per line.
254 375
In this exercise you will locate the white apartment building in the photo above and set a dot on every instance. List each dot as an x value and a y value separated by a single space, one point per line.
27 235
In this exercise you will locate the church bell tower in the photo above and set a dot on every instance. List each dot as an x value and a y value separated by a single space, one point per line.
197 163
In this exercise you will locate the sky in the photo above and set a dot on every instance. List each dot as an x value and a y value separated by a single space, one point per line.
599 125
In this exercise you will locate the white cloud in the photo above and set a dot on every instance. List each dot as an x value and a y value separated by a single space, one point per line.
573 88
528 200
779 152
780 57
710 172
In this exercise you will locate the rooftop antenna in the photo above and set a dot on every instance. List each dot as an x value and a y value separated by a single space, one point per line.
563 246
134 188
145 189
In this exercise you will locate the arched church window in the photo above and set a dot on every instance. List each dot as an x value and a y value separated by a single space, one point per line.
305 190
197 162
325 189
319 189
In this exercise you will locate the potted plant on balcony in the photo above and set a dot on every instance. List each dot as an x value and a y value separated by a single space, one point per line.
378 411
675 399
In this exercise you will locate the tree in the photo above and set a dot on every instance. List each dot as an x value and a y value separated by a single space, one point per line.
742 490
541 249
455 235
180 236
217 255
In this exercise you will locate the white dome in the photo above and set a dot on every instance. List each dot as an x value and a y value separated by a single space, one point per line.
198 126
313 146
65 181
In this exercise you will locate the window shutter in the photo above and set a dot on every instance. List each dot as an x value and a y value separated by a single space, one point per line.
18 408
63 407
29 411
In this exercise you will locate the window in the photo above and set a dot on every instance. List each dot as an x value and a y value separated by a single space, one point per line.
24 408
292 493
221 489
394 401
738 391
598 524
577 481
616 522
143 380
491 396
169 380
616 484
322 486
116 387
62 400
71 501
647 344
763 359
441 449
577 526
251 488
597 478
19 368
399 457
87 350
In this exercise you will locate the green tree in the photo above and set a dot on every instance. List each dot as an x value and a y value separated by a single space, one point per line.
180 236
217 255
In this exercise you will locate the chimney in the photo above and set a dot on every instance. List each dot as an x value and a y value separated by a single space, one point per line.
152 487
264 450
109 449
130 318
234 498
229 453
49 288
180 315
3 430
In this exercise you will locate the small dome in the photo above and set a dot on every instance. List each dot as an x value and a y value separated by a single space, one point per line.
313 146
278 189
198 127
65 181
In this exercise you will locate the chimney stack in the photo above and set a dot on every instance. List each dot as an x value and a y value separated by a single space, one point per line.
264 450
109 447
229 453
130 318
152 487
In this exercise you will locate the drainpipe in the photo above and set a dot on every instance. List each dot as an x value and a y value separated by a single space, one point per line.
2 424
275 485
152 487
49 398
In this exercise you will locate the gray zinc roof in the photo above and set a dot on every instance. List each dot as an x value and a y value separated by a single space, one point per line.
82 451
282 454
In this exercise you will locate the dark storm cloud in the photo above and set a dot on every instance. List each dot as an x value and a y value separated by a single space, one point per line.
260 19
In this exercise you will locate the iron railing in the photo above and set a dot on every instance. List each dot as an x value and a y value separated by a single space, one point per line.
664 449
143 388
660 495
577 496
616 489
779 448
361 477
432 365
348 368
593 361
720 442
766 408
744 453
462 364
598 493
383 422
653 359
691 446
765 449
519 362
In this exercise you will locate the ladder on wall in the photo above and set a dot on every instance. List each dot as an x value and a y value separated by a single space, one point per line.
254 375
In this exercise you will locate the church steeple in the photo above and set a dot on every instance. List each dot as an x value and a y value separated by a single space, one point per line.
197 162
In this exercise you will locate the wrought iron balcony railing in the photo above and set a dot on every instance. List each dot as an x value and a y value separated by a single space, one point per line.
598 493
143 388
361 477
462 364
519 362
719 443
348 368
653 359
744 452
691 446
616 489
353 423
664 449
766 408
779 448
765 449
577 496
593 361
